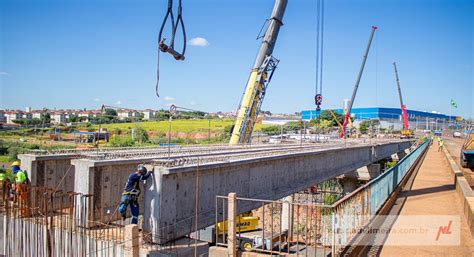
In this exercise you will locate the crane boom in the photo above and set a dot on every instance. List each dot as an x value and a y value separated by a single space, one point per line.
402 106
359 76
259 78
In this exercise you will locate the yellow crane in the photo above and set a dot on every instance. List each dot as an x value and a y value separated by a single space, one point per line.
259 79
335 118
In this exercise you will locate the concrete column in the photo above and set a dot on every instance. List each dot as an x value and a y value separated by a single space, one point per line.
368 172
374 170
28 163
83 183
132 246
349 185
231 228
349 181
49 170
287 215
401 155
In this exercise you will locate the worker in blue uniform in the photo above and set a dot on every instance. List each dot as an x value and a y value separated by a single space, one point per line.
132 191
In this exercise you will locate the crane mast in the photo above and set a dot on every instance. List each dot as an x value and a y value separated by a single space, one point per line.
359 76
402 106
259 78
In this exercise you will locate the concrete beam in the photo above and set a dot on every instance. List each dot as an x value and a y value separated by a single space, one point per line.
170 199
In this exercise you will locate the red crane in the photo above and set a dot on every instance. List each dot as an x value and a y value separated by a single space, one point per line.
405 132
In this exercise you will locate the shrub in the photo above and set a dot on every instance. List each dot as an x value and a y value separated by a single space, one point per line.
271 130
141 135
121 141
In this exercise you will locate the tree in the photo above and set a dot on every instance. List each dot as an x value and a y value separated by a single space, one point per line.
271 130
162 115
109 115
141 135
140 116
22 121
82 119
73 119
368 124
326 115
45 118
293 126
36 121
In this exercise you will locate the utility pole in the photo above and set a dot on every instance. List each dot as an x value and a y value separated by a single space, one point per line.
209 132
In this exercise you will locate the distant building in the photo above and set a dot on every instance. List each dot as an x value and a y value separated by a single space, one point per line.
391 118
58 117
3 119
27 115
90 114
11 115
148 114
127 113
36 114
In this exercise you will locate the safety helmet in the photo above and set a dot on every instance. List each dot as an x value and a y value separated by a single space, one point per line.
15 163
141 168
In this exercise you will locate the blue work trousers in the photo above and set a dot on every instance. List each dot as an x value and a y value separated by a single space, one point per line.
134 209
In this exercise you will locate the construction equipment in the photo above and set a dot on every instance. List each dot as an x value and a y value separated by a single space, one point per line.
347 116
334 117
406 133
259 78
249 236
318 98
245 222
467 150
162 46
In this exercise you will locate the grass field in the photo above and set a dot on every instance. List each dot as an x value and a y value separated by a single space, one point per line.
176 126
4 158
183 132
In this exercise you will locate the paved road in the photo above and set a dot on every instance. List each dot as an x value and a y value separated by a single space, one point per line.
453 145
432 193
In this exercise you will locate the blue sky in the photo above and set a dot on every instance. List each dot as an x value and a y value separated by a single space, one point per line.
84 53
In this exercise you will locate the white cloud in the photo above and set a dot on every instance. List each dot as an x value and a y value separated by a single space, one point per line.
199 41
4 73
169 98
96 99
118 102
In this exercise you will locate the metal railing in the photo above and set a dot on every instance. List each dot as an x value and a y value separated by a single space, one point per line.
363 204
309 229
39 221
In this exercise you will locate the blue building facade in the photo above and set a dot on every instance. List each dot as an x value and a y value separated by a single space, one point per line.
391 117
380 113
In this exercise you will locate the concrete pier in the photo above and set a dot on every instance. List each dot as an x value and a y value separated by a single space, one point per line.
49 170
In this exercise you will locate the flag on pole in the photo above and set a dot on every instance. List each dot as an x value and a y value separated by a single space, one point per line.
454 104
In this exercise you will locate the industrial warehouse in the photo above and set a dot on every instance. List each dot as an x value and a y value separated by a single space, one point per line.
391 118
